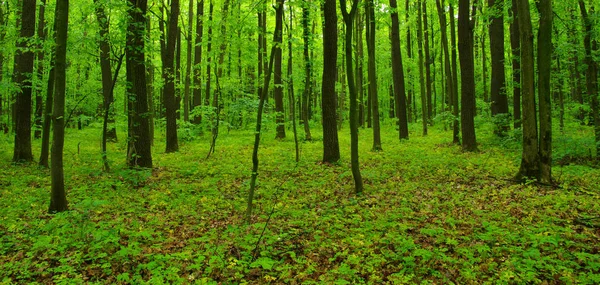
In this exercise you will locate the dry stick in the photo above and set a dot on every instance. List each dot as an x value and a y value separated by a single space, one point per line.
106 111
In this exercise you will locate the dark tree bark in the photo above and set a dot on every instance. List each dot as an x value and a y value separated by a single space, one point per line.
450 80
591 76
290 86
349 21
410 99
306 36
277 77
139 149
188 67
428 61
515 45
498 83
423 93
455 105
209 55
467 66
106 69
331 147
45 147
530 160
398 74
197 86
58 198
3 95
39 100
169 75
544 60
359 69
373 75
23 70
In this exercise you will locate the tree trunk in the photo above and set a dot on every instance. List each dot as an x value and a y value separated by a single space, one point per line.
3 125
209 55
58 198
515 45
498 83
423 93
23 70
39 100
450 80
306 35
331 147
349 21
428 61
105 68
373 76
188 67
278 83
455 105
410 99
359 69
169 76
398 74
591 76
290 89
139 153
197 86
467 67
544 59
530 160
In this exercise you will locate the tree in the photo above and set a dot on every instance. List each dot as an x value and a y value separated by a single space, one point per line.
331 147
139 148
105 67
465 48
23 72
197 86
371 28
515 44
169 77
428 61
39 100
421 62
398 74
306 36
498 84
188 67
450 80
277 76
3 125
530 159
591 76
58 198
349 21
544 59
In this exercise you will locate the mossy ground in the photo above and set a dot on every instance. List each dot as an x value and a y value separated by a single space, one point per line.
430 214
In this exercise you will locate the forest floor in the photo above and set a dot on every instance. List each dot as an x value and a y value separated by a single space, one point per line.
430 214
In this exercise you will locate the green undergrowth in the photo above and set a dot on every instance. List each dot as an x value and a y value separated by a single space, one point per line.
430 214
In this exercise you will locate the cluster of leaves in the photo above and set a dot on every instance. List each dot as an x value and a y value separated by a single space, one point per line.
430 215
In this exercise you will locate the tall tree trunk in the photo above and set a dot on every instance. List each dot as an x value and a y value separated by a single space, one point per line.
349 21
498 84
209 55
306 35
423 93
467 66
169 76
544 59
139 149
23 70
290 86
331 147
428 61
177 75
515 45
373 76
398 74
58 198
150 87
530 160
188 67
3 95
39 100
278 88
450 80
455 105
105 68
410 99
591 76
45 147
197 86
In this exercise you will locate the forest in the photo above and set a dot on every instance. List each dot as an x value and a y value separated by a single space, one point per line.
299 142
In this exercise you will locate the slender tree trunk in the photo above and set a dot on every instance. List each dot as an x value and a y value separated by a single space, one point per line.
169 76
39 100
423 93
23 70
409 54
105 68
591 75
3 95
373 76
45 147
398 74
150 87
544 59
177 74
58 198
290 88
450 80
306 35
331 147
197 86
498 83
515 45
278 88
530 160
467 66
349 21
188 68
209 55
359 69
455 105
428 61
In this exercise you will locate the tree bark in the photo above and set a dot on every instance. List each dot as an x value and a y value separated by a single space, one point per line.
423 93
277 77
331 147
515 45
105 68
467 66
169 75
398 75
58 198
544 59
450 80
455 105
428 61
39 100
306 35
188 67
498 82
591 76
23 70
197 86
373 76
